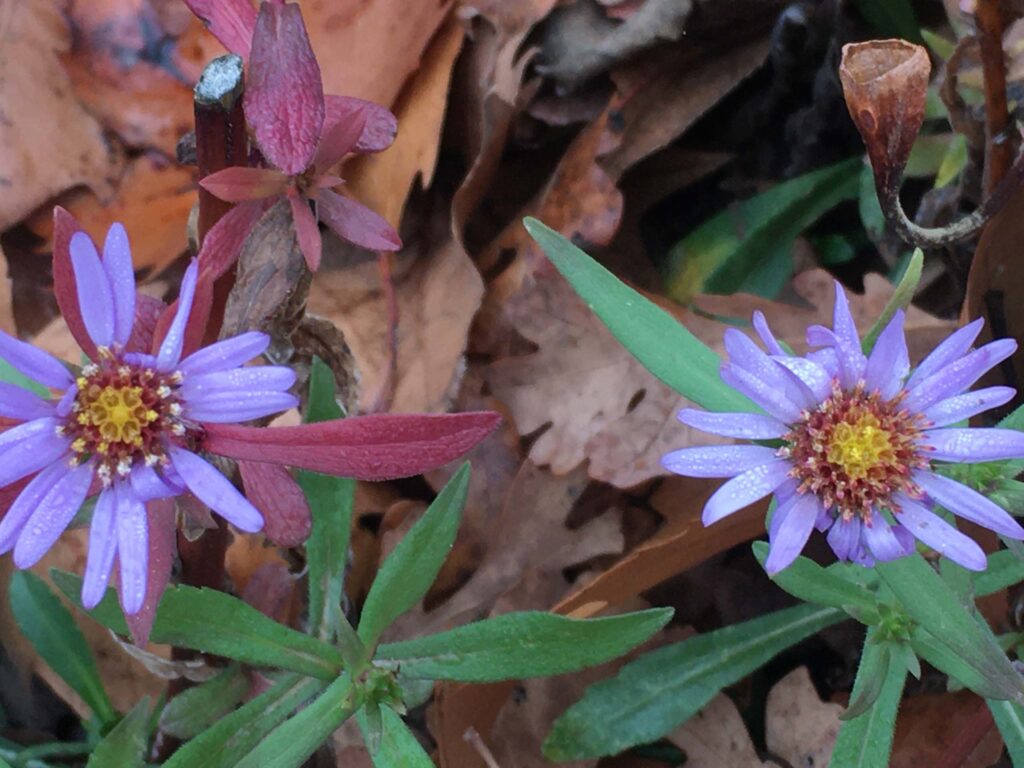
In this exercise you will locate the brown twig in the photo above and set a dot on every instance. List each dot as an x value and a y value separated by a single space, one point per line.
221 142
999 141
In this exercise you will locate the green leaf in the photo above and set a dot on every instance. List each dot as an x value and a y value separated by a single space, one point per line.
190 712
411 568
892 18
231 738
11 375
866 741
929 601
953 162
217 623
125 745
749 246
810 582
1009 719
398 747
330 502
1005 568
940 656
662 689
900 299
871 216
656 339
52 631
518 645
295 740
940 46
875 660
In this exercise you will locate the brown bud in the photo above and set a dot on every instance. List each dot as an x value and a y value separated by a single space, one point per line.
885 83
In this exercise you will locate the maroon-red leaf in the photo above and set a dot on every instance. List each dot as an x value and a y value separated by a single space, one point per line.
230 21
356 223
162 546
271 488
379 128
64 286
376 447
284 97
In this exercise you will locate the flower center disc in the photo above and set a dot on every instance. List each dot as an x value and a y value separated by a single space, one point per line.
854 451
122 413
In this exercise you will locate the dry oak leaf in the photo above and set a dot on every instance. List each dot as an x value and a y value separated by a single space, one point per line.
48 141
800 728
716 737
438 295
604 406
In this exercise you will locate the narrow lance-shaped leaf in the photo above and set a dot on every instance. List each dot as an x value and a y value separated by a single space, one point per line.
190 712
808 581
931 603
661 690
1009 719
53 633
411 568
875 659
125 745
900 299
398 747
330 501
940 656
291 743
866 741
656 339
214 622
518 645
227 741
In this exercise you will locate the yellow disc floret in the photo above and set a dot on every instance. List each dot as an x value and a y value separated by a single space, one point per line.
860 446
119 414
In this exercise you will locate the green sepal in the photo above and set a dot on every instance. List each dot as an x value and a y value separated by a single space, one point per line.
125 745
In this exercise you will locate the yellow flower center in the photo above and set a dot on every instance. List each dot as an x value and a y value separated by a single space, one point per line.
860 446
119 414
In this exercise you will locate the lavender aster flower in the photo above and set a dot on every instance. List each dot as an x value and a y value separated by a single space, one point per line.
126 425
861 435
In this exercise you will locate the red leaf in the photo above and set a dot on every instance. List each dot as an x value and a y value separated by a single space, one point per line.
230 21
162 546
379 130
223 243
9 493
377 447
272 490
198 318
306 231
148 310
237 183
338 140
356 223
284 97
64 285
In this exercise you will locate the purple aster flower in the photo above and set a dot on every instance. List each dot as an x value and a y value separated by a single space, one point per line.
861 439
125 426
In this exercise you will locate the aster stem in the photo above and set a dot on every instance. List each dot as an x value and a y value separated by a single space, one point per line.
998 138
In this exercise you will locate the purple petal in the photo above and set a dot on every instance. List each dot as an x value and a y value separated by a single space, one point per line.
748 426
55 511
267 378
18 403
851 361
233 407
811 375
29 447
717 460
148 484
766 335
170 350
772 400
960 407
67 401
844 538
102 548
820 336
117 262
973 445
792 533
745 489
827 359
216 491
969 504
936 533
37 365
880 539
226 354
94 295
132 550
27 502
952 347
960 375
744 353
842 321
889 363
